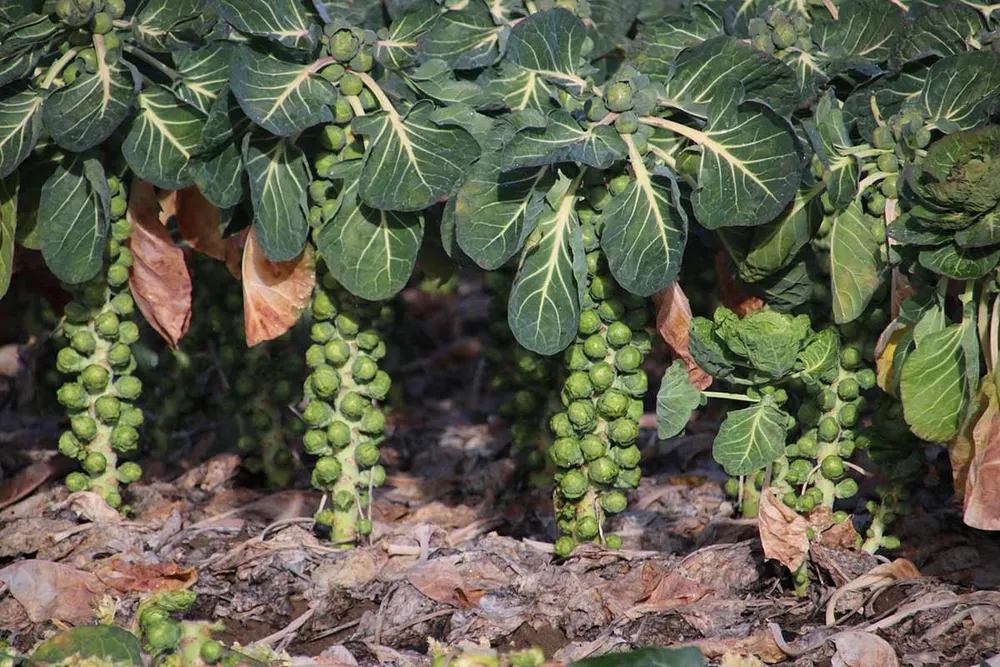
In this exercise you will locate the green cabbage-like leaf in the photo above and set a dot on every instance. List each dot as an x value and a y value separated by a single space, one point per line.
20 127
863 35
288 22
85 113
8 229
770 341
551 44
656 45
961 91
103 642
932 385
960 263
465 38
675 400
279 179
708 350
564 139
171 25
820 357
206 74
163 137
960 175
399 48
855 263
828 135
750 439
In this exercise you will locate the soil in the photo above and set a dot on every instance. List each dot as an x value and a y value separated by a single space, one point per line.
461 549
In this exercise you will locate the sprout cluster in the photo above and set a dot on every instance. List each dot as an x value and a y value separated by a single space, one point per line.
177 643
242 393
344 421
528 376
92 36
595 448
98 332
779 34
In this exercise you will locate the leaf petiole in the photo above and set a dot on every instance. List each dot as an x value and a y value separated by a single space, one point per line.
168 72
729 397
58 66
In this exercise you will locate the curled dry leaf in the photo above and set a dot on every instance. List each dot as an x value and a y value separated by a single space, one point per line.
731 295
160 281
197 220
673 321
274 293
441 581
862 649
53 591
974 434
828 532
127 577
879 576
982 484
783 532
91 507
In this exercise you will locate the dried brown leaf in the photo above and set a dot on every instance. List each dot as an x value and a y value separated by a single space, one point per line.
982 485
92 507
730 294
673 321
973 436
160 281
197 220
878 577
127 577
441 581
782 531
28 479
11 363
862 649
53 591
274 293
828 532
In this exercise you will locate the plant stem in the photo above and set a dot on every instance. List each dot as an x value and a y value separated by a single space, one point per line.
58 66
729 397
169 72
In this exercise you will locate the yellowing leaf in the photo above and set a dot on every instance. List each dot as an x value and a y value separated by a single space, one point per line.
274 293
886 351
160 281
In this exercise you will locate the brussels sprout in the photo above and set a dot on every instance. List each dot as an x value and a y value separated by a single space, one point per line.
883 138
352 406
832 467
322 332
623 431
595 109
619 334
581 414
77 481
366 455
164 635
628 478
848 415
890 187
888 163
807 445
798 471
628 359
573 485
128 387
784 36
151 616
627 123
318 414
128 333
343 500
69 445
846 488
82 342
636 384
84 427
575 358
560 425
578 386
107 325
326 472
129 472
68 360
343 45
119 355
826 400
372 421
124 438
618 97
123 305
592 446
611 310
602 287
322 307
828 429
590 322
564 546
890 542
587 527
117 275
368 340
95 463
618 184
364 369
628 457
601 376
337 352
315 442
603 470
378 388
210 651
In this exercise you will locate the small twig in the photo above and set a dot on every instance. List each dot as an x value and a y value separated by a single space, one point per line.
288 629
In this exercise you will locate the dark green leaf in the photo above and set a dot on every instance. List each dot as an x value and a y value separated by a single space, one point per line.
821 356
984 232
73 219
206 74
8 229
28 32
164 135
932 385
828 135
279 178
946 30
891 92
171 25
704 74
225 121
789 288
465 38
544 305
281 96
86 112
863 34
645 230
18 66
399 48
750 439
610 21
288 22
707 349
517 88
855 263
656 46
961 91
675 401
436 80
960 263
33 173
20 127
563 139
550 44
413 162
105 642
907 229
220 177
370 252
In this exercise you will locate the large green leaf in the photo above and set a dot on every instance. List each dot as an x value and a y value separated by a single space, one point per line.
8 229
29 32
33 174
610 22
434 79
550 44
828 135
960 91
645 230
18 66
281 96
411 162
279 178
171 25
399 48
960 263
750 439
855 263
226 122
206 74
73 219
20 127
107 643
762 251
704 74
749 168
220 176
564 139
288 22
984 232
494 210
656 46
465 38
675 401
370 252
707 349
790 287
647 657
544 306
863 34
517 88
946 30
932 385
819 359
86 112
891 93
163 137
